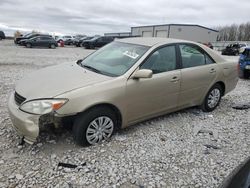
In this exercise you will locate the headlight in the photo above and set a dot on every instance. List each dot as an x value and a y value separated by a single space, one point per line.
41 107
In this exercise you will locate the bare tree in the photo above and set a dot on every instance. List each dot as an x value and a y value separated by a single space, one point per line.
234 32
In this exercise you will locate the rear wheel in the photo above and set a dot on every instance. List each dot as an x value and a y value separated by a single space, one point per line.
28 45
212 98
93 126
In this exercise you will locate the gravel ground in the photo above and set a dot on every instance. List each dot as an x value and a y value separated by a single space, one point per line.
188 148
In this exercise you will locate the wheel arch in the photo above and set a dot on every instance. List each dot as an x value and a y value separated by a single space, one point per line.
110 106
223 86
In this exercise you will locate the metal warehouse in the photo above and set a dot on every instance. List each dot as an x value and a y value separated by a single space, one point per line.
179 31
123 34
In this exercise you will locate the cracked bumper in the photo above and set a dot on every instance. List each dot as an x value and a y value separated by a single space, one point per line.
26 125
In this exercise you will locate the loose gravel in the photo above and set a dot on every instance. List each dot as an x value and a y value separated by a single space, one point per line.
188 148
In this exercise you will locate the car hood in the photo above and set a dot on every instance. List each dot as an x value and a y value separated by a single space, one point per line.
55 80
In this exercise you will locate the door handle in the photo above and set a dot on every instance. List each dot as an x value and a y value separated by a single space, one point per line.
175 79
212 70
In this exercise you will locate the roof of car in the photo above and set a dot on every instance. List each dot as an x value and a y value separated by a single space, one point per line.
150 41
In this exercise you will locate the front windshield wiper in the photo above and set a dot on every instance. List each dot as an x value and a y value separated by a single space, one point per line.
92 68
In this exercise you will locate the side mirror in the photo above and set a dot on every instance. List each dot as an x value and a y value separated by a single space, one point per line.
143 73
78 61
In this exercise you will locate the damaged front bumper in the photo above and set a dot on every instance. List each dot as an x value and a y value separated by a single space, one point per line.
26 125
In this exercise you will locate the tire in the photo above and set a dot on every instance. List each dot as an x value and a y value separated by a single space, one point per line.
212 98
52 46
236 53
246 75
85 128
28 45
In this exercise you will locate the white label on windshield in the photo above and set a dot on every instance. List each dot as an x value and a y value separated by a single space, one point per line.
132 55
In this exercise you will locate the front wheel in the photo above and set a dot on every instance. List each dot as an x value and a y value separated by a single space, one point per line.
212 98
93 126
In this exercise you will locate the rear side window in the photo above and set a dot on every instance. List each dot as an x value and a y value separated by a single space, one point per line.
193 56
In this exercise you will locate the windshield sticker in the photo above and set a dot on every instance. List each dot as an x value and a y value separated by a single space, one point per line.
132 55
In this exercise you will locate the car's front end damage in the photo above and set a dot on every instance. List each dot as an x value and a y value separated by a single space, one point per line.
28 123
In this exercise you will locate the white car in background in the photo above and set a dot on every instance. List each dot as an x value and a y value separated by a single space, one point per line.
67 39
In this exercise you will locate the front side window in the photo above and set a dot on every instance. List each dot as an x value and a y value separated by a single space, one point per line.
162 60
191 56
114 59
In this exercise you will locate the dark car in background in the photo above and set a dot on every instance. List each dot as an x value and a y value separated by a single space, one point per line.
23 41
41 41
244 64
28 36
97 42
78 42
2 35
234 49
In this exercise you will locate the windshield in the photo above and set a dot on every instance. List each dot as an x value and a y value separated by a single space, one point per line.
93 38
32 38
27 35
114 59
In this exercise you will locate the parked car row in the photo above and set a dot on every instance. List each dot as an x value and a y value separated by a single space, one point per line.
45 40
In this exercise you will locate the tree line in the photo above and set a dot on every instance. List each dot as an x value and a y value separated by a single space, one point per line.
234 32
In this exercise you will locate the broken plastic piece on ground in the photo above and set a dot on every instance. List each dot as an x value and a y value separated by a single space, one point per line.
241 106
68 165
211 146
21 141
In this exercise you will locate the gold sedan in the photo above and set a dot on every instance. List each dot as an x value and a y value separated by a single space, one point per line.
125 82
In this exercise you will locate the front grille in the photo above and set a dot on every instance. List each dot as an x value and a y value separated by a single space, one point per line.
19 99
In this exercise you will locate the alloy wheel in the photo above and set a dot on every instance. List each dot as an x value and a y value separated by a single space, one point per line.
98 129
213 98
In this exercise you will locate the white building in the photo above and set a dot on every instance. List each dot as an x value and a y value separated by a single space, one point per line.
122 34
195 33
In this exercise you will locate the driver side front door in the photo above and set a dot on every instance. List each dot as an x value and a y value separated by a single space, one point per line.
150 97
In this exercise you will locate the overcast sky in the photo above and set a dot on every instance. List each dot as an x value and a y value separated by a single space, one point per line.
101 16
